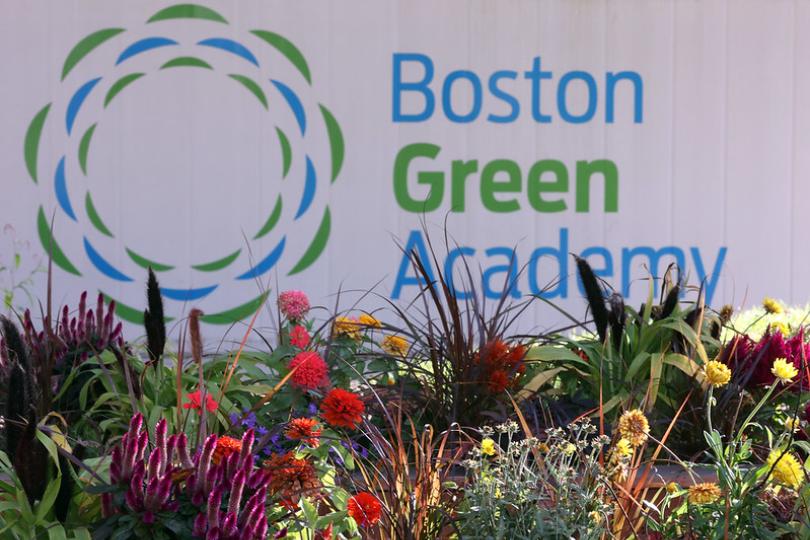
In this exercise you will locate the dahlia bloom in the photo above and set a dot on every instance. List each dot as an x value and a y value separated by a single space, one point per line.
299 337
310 370
342 408
347 327
395 346
293 304
717 373
365 509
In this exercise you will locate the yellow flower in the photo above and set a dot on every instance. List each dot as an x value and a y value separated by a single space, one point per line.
779 326
543 447
369 321
595 516
623 448
568 449
395 346
346 327
704 493
772 306
634 427
488 447
717 373
787 470
783 370
792 425
673 487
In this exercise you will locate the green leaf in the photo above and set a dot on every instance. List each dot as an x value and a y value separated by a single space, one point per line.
50 446
48 499
57 532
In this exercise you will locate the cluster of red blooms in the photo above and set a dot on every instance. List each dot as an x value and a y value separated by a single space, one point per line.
500 365
752 361
291 478
365 509
304 429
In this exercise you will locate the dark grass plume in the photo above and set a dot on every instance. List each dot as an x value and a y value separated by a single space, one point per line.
154 320
595 296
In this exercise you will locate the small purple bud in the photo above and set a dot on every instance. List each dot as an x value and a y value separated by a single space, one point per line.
148 517
157 461
236 492
99 311
143 442
182 451
200 525
247 446
133 501
214 502
160 442
115 465
205 456
82 305
229 527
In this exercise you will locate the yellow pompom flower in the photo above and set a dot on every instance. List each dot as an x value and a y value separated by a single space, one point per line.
595 517
634 427
623 448
488 447
717 373
369 321
772 306
704 493
673 487
779 326
783 370
787 470
395 346
346 327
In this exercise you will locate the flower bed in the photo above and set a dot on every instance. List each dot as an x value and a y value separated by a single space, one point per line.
670 421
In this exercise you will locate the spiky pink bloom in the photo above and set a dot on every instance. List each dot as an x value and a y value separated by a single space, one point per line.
299 337
293 304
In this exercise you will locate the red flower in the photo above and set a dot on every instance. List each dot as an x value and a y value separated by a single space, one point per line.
325 534
501 366
304 429
195 402
299 337
292 478
310 370
365 509
342 408
498 381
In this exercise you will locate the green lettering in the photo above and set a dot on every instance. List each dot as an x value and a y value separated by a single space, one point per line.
536 186
433 179
489 186
605 167
458 173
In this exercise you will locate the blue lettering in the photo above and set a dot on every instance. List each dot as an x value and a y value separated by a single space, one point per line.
419 86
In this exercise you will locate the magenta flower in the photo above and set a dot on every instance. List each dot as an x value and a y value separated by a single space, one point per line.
293 304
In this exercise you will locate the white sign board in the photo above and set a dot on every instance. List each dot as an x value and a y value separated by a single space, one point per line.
236 147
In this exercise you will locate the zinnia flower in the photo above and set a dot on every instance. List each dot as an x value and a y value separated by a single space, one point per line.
783 370
395 346
346 327
226 446
293 304
369 321
787 470
342 408
772 306
704 493
195 402
488 447
292 478
304 429
717 373
299 337
365 509
634 427
310 370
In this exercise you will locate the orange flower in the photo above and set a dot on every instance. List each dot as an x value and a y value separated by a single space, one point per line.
365 509
291 478
226 446
304 429
342 408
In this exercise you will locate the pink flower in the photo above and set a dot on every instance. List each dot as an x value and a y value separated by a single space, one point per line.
195 402
299 337
293 304
310 370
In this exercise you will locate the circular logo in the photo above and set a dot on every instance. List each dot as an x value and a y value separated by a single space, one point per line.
178 146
